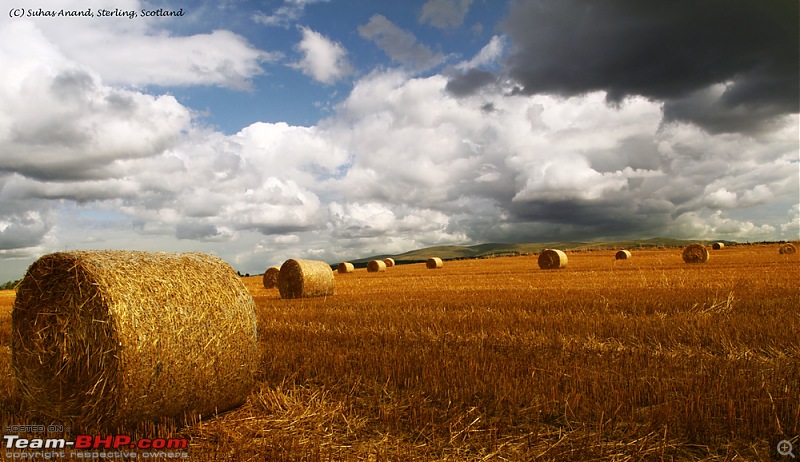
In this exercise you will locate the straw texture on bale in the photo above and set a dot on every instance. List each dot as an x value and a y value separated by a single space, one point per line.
305 278
389 262
552 259
271 277
108 339
718 246
376 266
434 263
623 255
346 267
787 249
695 253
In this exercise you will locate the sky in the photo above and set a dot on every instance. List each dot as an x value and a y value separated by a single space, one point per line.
339 129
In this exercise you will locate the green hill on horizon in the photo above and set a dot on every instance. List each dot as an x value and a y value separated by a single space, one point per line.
494 249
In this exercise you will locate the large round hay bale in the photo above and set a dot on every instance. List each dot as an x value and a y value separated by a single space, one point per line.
271 277
108 339
389 262
695 253
623 255
305 278
434 263
787 249
718 245
345 267
376 266
552 259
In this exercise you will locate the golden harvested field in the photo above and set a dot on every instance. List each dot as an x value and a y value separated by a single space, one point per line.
494 359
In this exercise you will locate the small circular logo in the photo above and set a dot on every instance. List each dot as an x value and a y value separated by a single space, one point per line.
785 448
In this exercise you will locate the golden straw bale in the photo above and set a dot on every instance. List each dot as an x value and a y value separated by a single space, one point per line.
345 267
718 246
787 249
434 263
376 266
623 255
108 339
695 253
305 278
271 277
389 262
552 259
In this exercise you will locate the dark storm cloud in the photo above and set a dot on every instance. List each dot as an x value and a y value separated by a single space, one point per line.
638 152
469 82
561 220
196 231
667 51
277 230
717 114
21 236
22 230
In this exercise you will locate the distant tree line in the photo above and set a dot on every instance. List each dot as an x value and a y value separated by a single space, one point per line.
10 285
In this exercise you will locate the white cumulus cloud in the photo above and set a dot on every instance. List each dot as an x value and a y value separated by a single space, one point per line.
144 52
488 55
323 59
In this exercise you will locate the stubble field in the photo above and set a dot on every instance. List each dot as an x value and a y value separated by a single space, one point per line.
495 359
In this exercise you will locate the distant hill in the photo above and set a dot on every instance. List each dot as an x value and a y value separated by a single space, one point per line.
456 252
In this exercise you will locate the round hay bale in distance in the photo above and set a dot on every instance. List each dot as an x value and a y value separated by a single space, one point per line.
389 262
270 278
345 267
718 245
305 278
434 263
787 249
552 259
108 339
623 255
695 253
376 266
